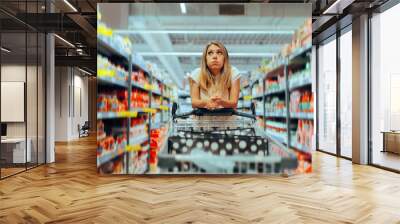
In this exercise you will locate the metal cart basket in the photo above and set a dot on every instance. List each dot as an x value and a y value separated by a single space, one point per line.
219 141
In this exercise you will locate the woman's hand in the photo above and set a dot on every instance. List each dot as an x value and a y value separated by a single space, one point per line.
211 105
217 99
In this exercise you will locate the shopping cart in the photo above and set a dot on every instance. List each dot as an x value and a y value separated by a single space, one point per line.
219 141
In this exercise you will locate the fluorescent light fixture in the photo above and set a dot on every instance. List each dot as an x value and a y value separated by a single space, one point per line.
183 8
205 31
5 50
65 41
249 54
331 7
70 5
84 71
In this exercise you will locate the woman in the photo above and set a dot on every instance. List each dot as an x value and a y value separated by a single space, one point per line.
216 84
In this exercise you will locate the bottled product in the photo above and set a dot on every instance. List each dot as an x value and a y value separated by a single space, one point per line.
112 101
301 77
275 84
301 101
275 106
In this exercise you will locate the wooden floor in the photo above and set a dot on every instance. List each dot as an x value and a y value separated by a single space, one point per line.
70 191
386 159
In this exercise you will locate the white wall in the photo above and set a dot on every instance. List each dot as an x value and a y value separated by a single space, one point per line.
69 82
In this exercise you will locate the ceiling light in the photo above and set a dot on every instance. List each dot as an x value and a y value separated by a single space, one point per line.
204 31
78 50
70 5
65 41
183 8
84 71
5 50
249 54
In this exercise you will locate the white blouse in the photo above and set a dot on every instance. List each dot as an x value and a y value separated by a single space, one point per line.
195 76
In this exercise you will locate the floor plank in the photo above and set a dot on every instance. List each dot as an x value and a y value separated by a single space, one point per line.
71 191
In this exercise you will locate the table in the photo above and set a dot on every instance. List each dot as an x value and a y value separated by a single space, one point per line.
13 150
391 141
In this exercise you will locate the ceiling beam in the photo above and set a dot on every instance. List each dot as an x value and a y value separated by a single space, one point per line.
161 42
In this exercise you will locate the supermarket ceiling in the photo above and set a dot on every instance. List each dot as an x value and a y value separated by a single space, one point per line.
173 35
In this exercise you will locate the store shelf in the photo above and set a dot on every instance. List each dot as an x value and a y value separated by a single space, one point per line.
135 145
104 80
110 51
302 115
142 87
275 114
124 114
280 126
157 125
299 147
259 113
137 141
114 115
300 84
275 92
274 71
300 52
277 139
106 157
158 93
260 96
139 63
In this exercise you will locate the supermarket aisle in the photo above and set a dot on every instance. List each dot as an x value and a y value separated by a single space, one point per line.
71 191
137 89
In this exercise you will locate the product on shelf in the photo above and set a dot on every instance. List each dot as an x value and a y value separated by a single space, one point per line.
259 107
156 101
138 162
301 101
257 89
114 101
121 44
158 140
109 147
301 77
110 70
302 137
275 84
301 40
115 166
139 78
275 106
101 134
276 129
139 99
138 130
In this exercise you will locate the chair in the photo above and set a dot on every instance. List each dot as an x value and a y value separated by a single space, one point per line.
84 129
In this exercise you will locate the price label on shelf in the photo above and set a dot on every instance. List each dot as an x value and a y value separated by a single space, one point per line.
128 114
149 110
105 73
105 31
247 97
162 107
133 148
149 87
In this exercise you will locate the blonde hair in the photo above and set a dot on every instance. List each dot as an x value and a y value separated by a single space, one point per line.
206 78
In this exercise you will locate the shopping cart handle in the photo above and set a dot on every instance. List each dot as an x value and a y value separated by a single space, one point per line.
240 114
216 112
